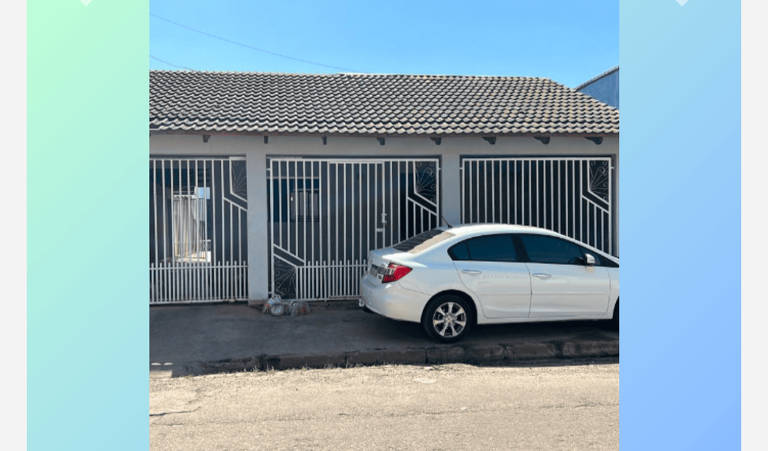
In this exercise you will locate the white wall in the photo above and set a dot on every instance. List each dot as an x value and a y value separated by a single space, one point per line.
450 151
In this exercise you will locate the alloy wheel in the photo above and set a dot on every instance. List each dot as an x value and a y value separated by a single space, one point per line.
449 319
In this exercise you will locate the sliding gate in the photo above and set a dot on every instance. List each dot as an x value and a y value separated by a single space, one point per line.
197 230
326 214
570 195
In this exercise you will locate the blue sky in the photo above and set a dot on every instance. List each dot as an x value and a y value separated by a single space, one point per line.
568 41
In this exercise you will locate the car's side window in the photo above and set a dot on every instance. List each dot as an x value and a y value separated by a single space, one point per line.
489 248
550 249
459 251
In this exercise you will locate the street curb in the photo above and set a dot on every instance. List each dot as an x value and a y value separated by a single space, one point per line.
383 356
335 304
291 361
531 351
509 353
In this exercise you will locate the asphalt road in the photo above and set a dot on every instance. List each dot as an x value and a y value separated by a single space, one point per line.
393 407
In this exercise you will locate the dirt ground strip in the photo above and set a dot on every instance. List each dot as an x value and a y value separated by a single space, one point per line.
454 406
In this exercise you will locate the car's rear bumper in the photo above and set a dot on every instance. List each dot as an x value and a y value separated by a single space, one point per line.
391 300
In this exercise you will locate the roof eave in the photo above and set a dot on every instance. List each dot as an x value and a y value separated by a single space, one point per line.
367 135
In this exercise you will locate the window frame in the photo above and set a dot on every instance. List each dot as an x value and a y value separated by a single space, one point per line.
309 209
599 259
422 245
603 261
519 257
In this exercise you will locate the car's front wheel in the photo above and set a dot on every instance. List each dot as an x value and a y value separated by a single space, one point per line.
447 318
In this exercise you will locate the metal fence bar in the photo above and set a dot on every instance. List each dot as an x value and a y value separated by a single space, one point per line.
570 195
610 203
195 264
330 262
390 222
581 203
327 259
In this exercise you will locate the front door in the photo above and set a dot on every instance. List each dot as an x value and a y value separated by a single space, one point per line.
561 283
490 267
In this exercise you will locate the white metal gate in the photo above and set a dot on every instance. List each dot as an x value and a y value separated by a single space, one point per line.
570 195
326 214
197 230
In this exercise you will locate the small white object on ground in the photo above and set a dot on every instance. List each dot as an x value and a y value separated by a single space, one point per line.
274 306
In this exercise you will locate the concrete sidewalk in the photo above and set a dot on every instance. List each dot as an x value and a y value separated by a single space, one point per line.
204 339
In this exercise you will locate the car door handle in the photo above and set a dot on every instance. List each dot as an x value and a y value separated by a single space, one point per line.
542 275
473 272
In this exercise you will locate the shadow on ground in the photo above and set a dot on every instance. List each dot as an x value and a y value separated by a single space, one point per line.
202 339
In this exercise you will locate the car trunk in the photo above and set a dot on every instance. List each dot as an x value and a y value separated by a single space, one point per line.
379 259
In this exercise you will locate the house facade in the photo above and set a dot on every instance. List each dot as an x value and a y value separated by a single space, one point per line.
266 184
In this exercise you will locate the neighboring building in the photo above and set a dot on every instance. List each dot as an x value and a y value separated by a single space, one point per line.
604 87
280 183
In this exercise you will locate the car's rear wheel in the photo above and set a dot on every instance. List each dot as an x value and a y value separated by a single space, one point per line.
615 319
447 318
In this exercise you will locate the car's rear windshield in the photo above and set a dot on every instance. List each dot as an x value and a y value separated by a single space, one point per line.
419 242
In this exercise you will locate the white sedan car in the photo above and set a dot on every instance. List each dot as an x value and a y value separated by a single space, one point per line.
449 279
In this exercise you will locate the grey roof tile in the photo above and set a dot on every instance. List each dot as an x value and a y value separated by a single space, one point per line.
262 103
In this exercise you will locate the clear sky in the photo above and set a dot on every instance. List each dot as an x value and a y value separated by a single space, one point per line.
567 41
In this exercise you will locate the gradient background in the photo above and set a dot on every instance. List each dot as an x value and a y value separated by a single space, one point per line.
87 219
87 309
680 225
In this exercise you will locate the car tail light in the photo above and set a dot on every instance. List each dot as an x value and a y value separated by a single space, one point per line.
394 273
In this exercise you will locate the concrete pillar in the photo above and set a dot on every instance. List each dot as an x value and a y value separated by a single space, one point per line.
451 187
258 230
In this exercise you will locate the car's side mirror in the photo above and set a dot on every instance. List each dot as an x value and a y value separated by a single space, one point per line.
589 259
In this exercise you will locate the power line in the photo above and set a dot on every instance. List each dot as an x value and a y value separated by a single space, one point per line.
251 47
170 63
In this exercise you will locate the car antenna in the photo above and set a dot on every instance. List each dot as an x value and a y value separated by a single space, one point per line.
445 221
